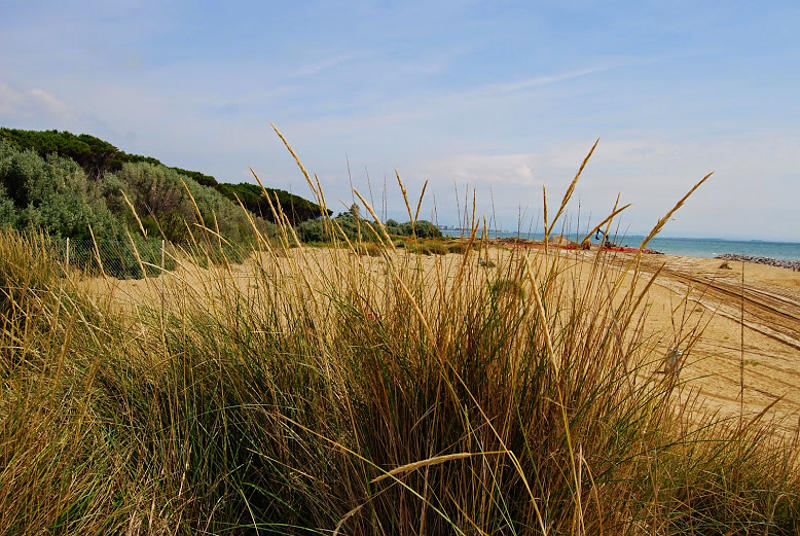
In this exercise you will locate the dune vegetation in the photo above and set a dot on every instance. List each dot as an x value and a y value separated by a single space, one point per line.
116 208
97 158
363 388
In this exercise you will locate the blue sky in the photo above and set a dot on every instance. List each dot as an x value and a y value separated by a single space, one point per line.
503 97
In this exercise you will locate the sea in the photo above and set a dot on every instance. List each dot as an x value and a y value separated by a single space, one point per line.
689 247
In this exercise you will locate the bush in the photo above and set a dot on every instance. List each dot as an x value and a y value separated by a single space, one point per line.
160 198
427 247
311 231
370 249
51 195
458 246
349 224
99 158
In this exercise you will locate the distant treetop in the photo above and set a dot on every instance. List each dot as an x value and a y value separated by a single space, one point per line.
98 157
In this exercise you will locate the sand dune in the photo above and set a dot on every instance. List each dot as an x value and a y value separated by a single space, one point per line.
690 297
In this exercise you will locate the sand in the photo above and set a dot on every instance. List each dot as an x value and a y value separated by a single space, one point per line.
767 299
761 354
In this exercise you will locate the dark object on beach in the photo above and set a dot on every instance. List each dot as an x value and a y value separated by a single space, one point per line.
725 266
673 362
605 242
624 249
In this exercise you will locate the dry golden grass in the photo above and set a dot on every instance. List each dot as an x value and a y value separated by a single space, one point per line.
326 391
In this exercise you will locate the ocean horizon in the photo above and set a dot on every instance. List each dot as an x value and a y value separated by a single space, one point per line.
688 247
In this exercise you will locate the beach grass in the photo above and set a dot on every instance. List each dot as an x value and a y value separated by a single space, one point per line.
364 389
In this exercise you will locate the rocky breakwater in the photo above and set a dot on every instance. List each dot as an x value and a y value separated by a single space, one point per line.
780 263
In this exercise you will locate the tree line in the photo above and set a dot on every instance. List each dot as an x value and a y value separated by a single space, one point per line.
98 158
63 184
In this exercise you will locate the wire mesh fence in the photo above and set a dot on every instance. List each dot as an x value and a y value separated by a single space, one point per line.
119 259
141 258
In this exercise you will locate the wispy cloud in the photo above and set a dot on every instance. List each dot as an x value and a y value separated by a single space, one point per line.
514 86
32 103
311 69
432 63
544 80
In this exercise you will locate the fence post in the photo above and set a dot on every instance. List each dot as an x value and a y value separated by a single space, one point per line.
66 259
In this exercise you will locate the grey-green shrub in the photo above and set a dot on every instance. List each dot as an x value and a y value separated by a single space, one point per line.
53 195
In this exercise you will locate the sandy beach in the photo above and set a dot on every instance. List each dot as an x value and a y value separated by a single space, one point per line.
691 297
767 298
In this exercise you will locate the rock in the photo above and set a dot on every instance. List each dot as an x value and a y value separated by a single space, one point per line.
778 263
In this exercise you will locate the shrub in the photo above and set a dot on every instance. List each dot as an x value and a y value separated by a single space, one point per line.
311 231
459 246
370 249
52 195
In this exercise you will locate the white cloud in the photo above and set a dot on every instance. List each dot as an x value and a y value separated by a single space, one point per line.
49 101
517 169
35 103
555 163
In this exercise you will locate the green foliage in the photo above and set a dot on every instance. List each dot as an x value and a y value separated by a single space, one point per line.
8 213
51 194
98 157
92 154
296 208
428 247
200 178
54 194
458 246
421 229
312 231
356 228
161 198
